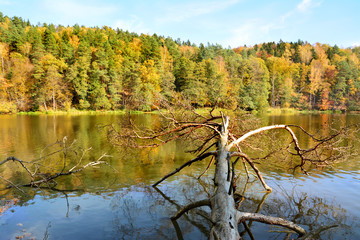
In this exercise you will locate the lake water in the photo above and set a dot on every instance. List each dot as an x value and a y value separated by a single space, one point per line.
118 202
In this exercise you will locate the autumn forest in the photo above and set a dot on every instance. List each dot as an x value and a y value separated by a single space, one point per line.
47 67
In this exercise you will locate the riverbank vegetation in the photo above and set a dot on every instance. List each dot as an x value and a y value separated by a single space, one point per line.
49 68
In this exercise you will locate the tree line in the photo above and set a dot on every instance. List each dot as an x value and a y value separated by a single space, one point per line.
47 67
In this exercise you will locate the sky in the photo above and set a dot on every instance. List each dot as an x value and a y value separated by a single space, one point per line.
230 23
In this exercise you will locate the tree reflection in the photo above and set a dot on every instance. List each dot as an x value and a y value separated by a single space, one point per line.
141 212
312 212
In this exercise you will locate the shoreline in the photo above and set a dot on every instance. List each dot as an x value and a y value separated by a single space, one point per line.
269 111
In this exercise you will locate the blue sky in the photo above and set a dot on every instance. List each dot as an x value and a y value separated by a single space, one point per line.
227 22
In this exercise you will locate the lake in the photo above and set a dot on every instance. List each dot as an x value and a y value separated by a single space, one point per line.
118 202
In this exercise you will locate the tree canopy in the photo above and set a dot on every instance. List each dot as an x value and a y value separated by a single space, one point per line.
47 67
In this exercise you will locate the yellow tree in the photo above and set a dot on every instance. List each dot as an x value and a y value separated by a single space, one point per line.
300 86
21 69
287 53
166 72
149 86
305 53
49 83
26 49
4 55
317 72
329 82
281 71
5 98
320 50
317 77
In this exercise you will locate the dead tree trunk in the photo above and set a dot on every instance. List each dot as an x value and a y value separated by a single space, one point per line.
224 215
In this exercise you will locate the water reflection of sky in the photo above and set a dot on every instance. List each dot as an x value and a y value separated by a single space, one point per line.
141 212
123 207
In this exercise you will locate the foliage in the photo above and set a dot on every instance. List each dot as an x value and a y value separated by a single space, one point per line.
51 68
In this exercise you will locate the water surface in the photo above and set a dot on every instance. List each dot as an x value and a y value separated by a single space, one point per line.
103 203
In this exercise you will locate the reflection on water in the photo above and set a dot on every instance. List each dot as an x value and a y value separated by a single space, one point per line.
109 205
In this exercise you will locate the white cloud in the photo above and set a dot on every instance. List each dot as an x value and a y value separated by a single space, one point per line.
254 31
78 10
240 36
296 16
355 44
262 29
247 33
303 7
286 16
306 5
132 25
180 12
5 2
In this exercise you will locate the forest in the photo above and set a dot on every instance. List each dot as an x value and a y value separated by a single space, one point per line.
46 67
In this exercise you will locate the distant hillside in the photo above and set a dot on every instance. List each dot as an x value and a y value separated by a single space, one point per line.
55 67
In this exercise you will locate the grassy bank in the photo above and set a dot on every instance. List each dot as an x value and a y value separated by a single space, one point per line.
202 111
279 111
77 112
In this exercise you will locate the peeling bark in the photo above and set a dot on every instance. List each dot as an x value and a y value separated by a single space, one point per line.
223 213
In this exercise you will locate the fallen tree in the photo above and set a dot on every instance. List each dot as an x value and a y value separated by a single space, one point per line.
220 141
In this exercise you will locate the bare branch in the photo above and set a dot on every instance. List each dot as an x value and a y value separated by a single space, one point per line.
259 130
168 134
38 178
83 154
224 178
317 139
205 202
244 216
251 163
207 168
248 230
22 163
314 234
14 185
211 111
201 157
197 150
54 176
9 159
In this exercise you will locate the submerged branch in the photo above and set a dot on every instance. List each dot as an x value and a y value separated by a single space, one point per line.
13 185
42 175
